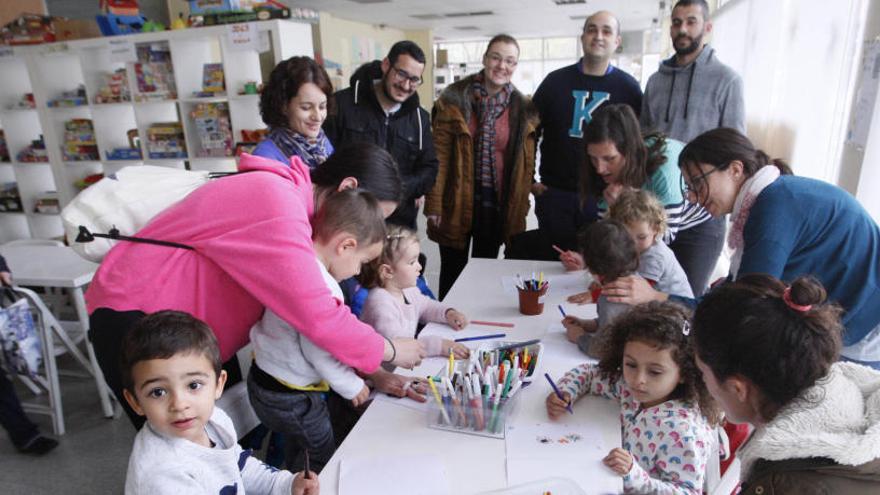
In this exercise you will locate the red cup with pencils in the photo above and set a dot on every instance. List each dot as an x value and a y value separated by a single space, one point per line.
531 295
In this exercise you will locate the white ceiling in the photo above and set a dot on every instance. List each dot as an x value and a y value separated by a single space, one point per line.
520 18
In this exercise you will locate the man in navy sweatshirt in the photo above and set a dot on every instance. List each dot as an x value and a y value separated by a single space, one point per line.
692 92
566 99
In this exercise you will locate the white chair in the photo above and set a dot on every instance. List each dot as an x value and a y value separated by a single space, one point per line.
49 329
235 402
716 484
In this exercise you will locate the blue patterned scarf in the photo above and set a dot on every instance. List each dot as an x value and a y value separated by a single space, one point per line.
293 143
488 109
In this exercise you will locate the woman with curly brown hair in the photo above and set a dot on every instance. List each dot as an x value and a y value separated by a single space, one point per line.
646 362
768 355
294 106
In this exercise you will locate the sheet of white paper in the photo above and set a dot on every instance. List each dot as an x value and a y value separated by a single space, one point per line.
405 475
403 401
580 471
569 283
536 450
558 344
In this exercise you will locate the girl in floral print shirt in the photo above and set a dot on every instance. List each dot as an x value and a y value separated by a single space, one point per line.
646 362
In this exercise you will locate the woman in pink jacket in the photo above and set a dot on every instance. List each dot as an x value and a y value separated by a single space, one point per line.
251 241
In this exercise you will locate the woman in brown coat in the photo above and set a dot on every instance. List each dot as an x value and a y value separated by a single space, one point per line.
484 137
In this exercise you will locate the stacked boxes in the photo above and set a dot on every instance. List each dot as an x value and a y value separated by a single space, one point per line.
79 141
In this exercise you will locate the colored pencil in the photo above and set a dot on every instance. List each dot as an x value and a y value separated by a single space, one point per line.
482 337
492 324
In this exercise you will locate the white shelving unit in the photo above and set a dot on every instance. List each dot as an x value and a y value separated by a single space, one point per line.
48 70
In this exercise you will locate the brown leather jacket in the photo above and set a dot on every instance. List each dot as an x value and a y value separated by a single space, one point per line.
452 196
814 476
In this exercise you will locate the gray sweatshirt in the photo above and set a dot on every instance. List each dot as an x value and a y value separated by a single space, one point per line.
684 102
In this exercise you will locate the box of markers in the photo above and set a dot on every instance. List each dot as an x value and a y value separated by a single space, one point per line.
479 394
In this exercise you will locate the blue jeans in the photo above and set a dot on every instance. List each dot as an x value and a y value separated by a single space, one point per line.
303 419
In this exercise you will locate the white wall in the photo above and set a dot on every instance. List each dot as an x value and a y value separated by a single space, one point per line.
798 61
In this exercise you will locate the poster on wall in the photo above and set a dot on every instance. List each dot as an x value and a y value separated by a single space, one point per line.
866 97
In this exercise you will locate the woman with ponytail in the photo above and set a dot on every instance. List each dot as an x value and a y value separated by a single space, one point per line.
768 356
785 226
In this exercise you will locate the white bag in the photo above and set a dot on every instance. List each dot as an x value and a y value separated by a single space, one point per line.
126 201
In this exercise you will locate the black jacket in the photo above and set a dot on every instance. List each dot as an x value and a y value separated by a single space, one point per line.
406 134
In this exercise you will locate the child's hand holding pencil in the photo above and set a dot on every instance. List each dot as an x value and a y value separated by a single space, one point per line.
556 407
571 260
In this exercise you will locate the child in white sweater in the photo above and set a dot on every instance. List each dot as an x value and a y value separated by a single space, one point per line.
171 374
290 374
395 306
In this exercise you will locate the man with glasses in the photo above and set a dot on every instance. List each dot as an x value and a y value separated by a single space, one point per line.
692 92
566 99
382 107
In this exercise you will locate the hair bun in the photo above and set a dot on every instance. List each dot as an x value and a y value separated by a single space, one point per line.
807 291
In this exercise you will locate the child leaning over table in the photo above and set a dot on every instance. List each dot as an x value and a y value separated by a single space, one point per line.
609 253
646 362
290 377
395 305
171 372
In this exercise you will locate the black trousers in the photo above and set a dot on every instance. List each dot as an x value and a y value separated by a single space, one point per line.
21 430
453 261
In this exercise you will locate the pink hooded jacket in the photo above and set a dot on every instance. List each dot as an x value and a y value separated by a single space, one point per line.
253 249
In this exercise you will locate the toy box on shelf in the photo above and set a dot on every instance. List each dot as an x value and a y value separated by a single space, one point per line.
73 98
47 203
25 103
115 88
249 140
213 82
154 73
79 141
28 29
10 199
165 140
34 152
213 129
88 181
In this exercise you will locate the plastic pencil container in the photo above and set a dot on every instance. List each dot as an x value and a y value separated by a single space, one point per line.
497 352
477 417
495 374
531 302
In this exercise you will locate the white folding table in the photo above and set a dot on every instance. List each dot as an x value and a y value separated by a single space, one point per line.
476 464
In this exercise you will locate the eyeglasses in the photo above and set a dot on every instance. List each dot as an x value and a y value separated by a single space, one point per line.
403 76
696 183
498 59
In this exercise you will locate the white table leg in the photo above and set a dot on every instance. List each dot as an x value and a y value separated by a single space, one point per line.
103 390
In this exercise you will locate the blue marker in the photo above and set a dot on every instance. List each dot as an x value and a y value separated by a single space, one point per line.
482 337
562 311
